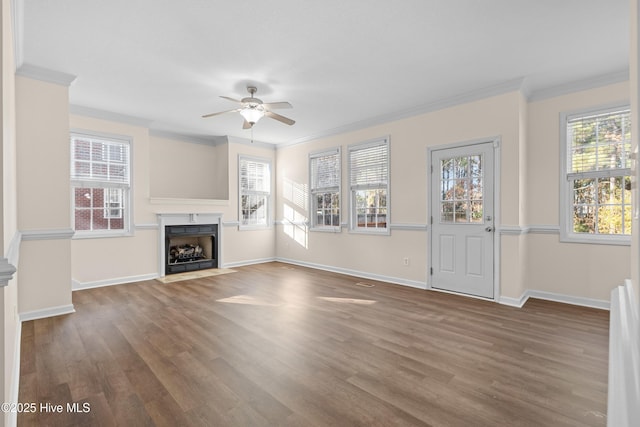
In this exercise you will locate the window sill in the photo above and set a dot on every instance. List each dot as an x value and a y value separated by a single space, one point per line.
336 229
596 239
371 232
80 235
254 227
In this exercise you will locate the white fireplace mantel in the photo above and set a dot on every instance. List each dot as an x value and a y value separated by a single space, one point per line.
165 219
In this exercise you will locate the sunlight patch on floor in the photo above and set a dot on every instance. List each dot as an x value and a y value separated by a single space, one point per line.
348 300
247 300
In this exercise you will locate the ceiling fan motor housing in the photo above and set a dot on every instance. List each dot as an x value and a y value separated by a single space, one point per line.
253 109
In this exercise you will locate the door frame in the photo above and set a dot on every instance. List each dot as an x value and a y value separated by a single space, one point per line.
496 142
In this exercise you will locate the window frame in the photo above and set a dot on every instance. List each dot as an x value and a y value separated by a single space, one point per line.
567 178
126 201
109 204
335 190
267 194
353 189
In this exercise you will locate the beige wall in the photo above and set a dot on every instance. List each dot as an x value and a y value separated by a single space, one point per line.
246 246
189 170
544 145
116 259
565 268
529 152
529 191
108 260
43 193
43 155
382 256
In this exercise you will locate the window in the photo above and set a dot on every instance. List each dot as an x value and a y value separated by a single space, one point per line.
100 182
596 188
324 170
461 184
369 186
113 203
255 192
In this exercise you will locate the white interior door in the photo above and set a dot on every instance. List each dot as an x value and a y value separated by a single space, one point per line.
462 209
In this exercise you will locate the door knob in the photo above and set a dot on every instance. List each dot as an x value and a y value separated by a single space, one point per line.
489 229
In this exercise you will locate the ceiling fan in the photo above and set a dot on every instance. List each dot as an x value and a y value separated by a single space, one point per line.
253 109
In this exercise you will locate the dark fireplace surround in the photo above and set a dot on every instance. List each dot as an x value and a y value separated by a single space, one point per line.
190 247
196 239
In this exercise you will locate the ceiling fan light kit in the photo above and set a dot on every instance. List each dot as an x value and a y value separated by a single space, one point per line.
253 109
252 113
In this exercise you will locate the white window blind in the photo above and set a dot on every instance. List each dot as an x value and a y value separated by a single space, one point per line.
599 143
325 176
325 171
369 164
99 162
369 186
255 176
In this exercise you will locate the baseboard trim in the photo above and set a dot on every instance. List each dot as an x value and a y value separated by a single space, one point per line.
47 312
78 286
552 296
356 273
513 302
15 376
249 262
510 301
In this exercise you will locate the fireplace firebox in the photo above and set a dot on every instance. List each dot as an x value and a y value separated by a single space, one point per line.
190 247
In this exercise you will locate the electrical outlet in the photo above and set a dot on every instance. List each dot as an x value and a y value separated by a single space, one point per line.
405 261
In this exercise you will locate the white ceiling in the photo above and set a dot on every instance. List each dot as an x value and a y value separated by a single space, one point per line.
342 64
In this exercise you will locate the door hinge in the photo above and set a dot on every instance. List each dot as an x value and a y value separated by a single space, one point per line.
431 220
431 271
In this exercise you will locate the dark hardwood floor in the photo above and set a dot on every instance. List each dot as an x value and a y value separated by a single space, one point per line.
275 344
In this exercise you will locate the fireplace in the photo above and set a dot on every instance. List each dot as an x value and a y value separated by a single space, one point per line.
190 247
189 242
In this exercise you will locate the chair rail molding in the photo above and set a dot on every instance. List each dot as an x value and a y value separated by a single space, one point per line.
6 271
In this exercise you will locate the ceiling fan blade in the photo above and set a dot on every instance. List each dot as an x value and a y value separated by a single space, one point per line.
221 112
246 125
276 105
278 117
231 99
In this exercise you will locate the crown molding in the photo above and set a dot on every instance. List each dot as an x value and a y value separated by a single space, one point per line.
463 98
254 143
109 115
580 85
44 74
176 136
519 84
